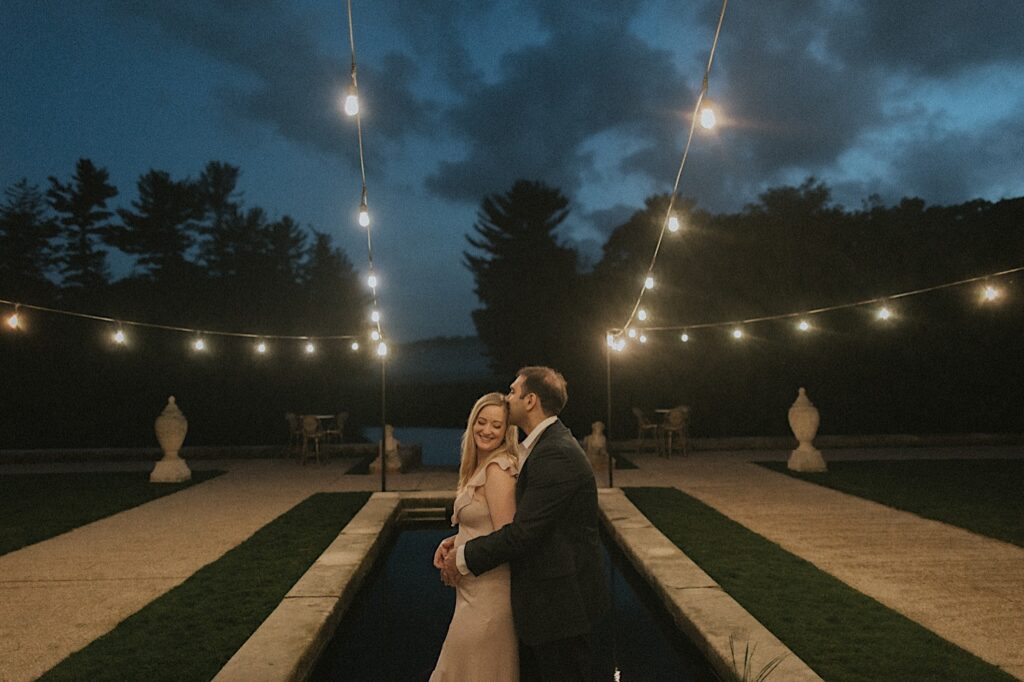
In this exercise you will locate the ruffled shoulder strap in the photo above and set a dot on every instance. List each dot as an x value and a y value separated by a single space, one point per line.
465 495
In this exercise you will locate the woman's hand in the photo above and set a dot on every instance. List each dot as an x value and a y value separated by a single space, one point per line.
442 552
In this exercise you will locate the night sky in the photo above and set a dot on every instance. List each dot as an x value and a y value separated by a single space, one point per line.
462 97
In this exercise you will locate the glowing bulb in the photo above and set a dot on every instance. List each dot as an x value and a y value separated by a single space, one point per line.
673 224
610 340
685 338
884 313
375 335
364 216
804 325
382 349
620 345
643 338
372 281
737 333
632 333
375 316
310 348
641 314
261 348
707 117
351 103
119 337
649 282
355 345
989 293
199 345
13 321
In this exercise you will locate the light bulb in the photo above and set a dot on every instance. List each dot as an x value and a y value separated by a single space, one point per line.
351 103
355 345
610 340
649 282
641 315
13 321
620 345
119 337
884 313
737 333
199 345
375 316
372 281
989 293
643 338
707 117
673 224
375 335
632 333
310 348
804 325
261 348
382 349
685 338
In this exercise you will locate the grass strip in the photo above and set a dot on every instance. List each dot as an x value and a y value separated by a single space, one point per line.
982 496
190 632
839 632
36 507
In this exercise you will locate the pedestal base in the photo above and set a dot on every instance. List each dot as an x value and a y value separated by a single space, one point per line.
806 460
170 471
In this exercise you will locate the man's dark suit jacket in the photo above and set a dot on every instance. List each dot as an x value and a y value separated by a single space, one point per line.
552 545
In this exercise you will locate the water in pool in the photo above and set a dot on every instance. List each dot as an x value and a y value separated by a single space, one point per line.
395 626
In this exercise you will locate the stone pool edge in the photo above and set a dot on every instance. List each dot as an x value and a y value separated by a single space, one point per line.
699 606
288 643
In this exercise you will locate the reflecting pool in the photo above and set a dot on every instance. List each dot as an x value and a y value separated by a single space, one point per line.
395 626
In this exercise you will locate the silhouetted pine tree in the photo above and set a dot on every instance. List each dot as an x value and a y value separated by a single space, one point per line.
81 209
27 231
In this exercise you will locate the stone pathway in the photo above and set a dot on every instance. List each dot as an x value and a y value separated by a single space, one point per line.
966 588
60 594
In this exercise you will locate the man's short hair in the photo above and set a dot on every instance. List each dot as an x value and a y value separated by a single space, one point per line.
548 385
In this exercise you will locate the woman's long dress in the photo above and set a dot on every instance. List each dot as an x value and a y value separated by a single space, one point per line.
481 644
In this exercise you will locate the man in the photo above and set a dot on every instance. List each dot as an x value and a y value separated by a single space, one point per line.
559 592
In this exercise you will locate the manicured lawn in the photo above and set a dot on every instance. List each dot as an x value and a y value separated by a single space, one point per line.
34 507
983 496
839 632
190 632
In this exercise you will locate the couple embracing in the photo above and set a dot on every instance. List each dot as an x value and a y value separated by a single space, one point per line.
526 563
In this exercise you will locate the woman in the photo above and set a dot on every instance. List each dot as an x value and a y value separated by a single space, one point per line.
481 642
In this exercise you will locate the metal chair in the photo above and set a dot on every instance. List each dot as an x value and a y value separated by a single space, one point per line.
645 426
337 432
675 425
311 431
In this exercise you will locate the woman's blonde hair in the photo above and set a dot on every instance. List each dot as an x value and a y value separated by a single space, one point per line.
469 462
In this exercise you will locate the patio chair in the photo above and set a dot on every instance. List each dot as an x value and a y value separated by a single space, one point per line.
311 433
644 427
674 426
337 431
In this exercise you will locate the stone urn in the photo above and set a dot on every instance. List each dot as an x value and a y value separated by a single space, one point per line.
595 445
391 455
803 420
171 427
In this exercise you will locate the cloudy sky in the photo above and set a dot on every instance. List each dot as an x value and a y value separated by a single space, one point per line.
462 97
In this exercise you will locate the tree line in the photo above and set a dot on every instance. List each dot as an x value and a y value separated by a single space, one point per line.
945 363
203 258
